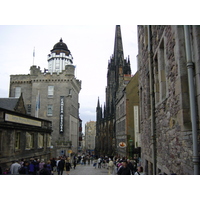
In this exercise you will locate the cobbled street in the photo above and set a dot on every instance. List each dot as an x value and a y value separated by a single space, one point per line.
86 170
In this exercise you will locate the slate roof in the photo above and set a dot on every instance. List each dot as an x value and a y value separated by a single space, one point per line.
8 103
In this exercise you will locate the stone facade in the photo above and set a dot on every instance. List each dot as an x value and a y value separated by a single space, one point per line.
90 134
23 136
54 96
165 114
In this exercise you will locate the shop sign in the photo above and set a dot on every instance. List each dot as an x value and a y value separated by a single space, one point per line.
122 144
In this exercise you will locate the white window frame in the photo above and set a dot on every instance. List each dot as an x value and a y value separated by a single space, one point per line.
50 91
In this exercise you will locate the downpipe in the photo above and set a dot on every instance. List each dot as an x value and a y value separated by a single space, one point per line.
152 101
190 69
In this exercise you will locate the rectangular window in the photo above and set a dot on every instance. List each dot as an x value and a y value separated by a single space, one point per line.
40 141
29 140
48 140
49 110
17 92
162 70
50 91
17 140
28 109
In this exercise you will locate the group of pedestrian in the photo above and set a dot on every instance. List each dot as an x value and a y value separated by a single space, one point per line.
40 167
119 166
127 167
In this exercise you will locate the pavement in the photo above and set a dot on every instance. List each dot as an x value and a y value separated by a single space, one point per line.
86 170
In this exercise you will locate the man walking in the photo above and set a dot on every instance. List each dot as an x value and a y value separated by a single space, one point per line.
14 169
61 165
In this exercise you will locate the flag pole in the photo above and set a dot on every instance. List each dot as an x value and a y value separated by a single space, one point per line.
33 55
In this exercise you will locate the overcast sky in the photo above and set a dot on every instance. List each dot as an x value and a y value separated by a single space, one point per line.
91 47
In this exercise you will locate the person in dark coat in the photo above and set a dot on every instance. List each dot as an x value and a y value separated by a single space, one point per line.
74 163
61 166
68 166
130 165
124 170
32 167
44 170
53 164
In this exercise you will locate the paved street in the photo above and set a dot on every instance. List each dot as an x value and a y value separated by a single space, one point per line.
87 170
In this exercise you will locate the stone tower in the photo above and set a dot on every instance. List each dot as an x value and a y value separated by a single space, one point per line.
53 95
117 68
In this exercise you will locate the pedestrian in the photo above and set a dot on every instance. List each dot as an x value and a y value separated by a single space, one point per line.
26 167
41 164
32 167
91 159
74 163
68 166
95 163
130 165
7 171
139 171
61 165
57 161
53 164
49 166
84 160
14 168
21 162
110 167
37 162
99 162
124 169
44 170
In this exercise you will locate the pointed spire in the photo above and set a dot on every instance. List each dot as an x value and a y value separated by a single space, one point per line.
98 104
118 47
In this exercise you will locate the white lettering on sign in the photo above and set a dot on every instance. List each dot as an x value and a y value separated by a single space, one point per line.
61 114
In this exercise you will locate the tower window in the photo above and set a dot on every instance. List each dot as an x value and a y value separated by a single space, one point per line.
49 110
50 91
17 92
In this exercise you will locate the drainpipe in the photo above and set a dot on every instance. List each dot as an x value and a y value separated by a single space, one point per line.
190 69
152 99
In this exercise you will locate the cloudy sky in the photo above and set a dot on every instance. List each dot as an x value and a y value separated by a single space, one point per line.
91 47
88 29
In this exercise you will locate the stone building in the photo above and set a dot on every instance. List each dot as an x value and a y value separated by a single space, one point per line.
169 91
53 95
21 135
120 118
90 134
132 118
80 145
118 67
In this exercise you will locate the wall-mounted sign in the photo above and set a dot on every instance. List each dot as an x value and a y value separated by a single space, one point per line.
122 144
61 114
22 120
69 151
